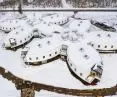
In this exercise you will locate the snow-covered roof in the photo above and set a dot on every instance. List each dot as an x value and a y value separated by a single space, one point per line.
42 48
80 25
69 34
102 40
56 18
20 33
33 22
11 24
14 16
48 29
83 57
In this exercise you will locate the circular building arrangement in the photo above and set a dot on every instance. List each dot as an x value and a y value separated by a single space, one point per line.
64 37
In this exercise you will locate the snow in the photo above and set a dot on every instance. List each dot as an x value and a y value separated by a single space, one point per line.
44 93
55 73
7 89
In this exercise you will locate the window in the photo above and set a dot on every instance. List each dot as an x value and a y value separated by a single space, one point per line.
48 42
49 54
30 59
25 38
28 36
48 24
109 35
80 74
36 58
70 64
81 49
20 41
98 46
39 45
67 19
89 43
55 52
75 69
80 21
86 56
92 45
105 46
78 24
43 57
88 31
93 73
98 35
111 46
68 59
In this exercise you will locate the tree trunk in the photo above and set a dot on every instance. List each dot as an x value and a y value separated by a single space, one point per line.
28 92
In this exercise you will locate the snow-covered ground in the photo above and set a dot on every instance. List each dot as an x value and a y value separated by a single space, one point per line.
7 89
55 73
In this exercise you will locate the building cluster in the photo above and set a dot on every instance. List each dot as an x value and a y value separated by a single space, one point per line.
61 36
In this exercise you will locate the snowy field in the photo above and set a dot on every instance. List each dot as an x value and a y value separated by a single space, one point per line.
55 73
